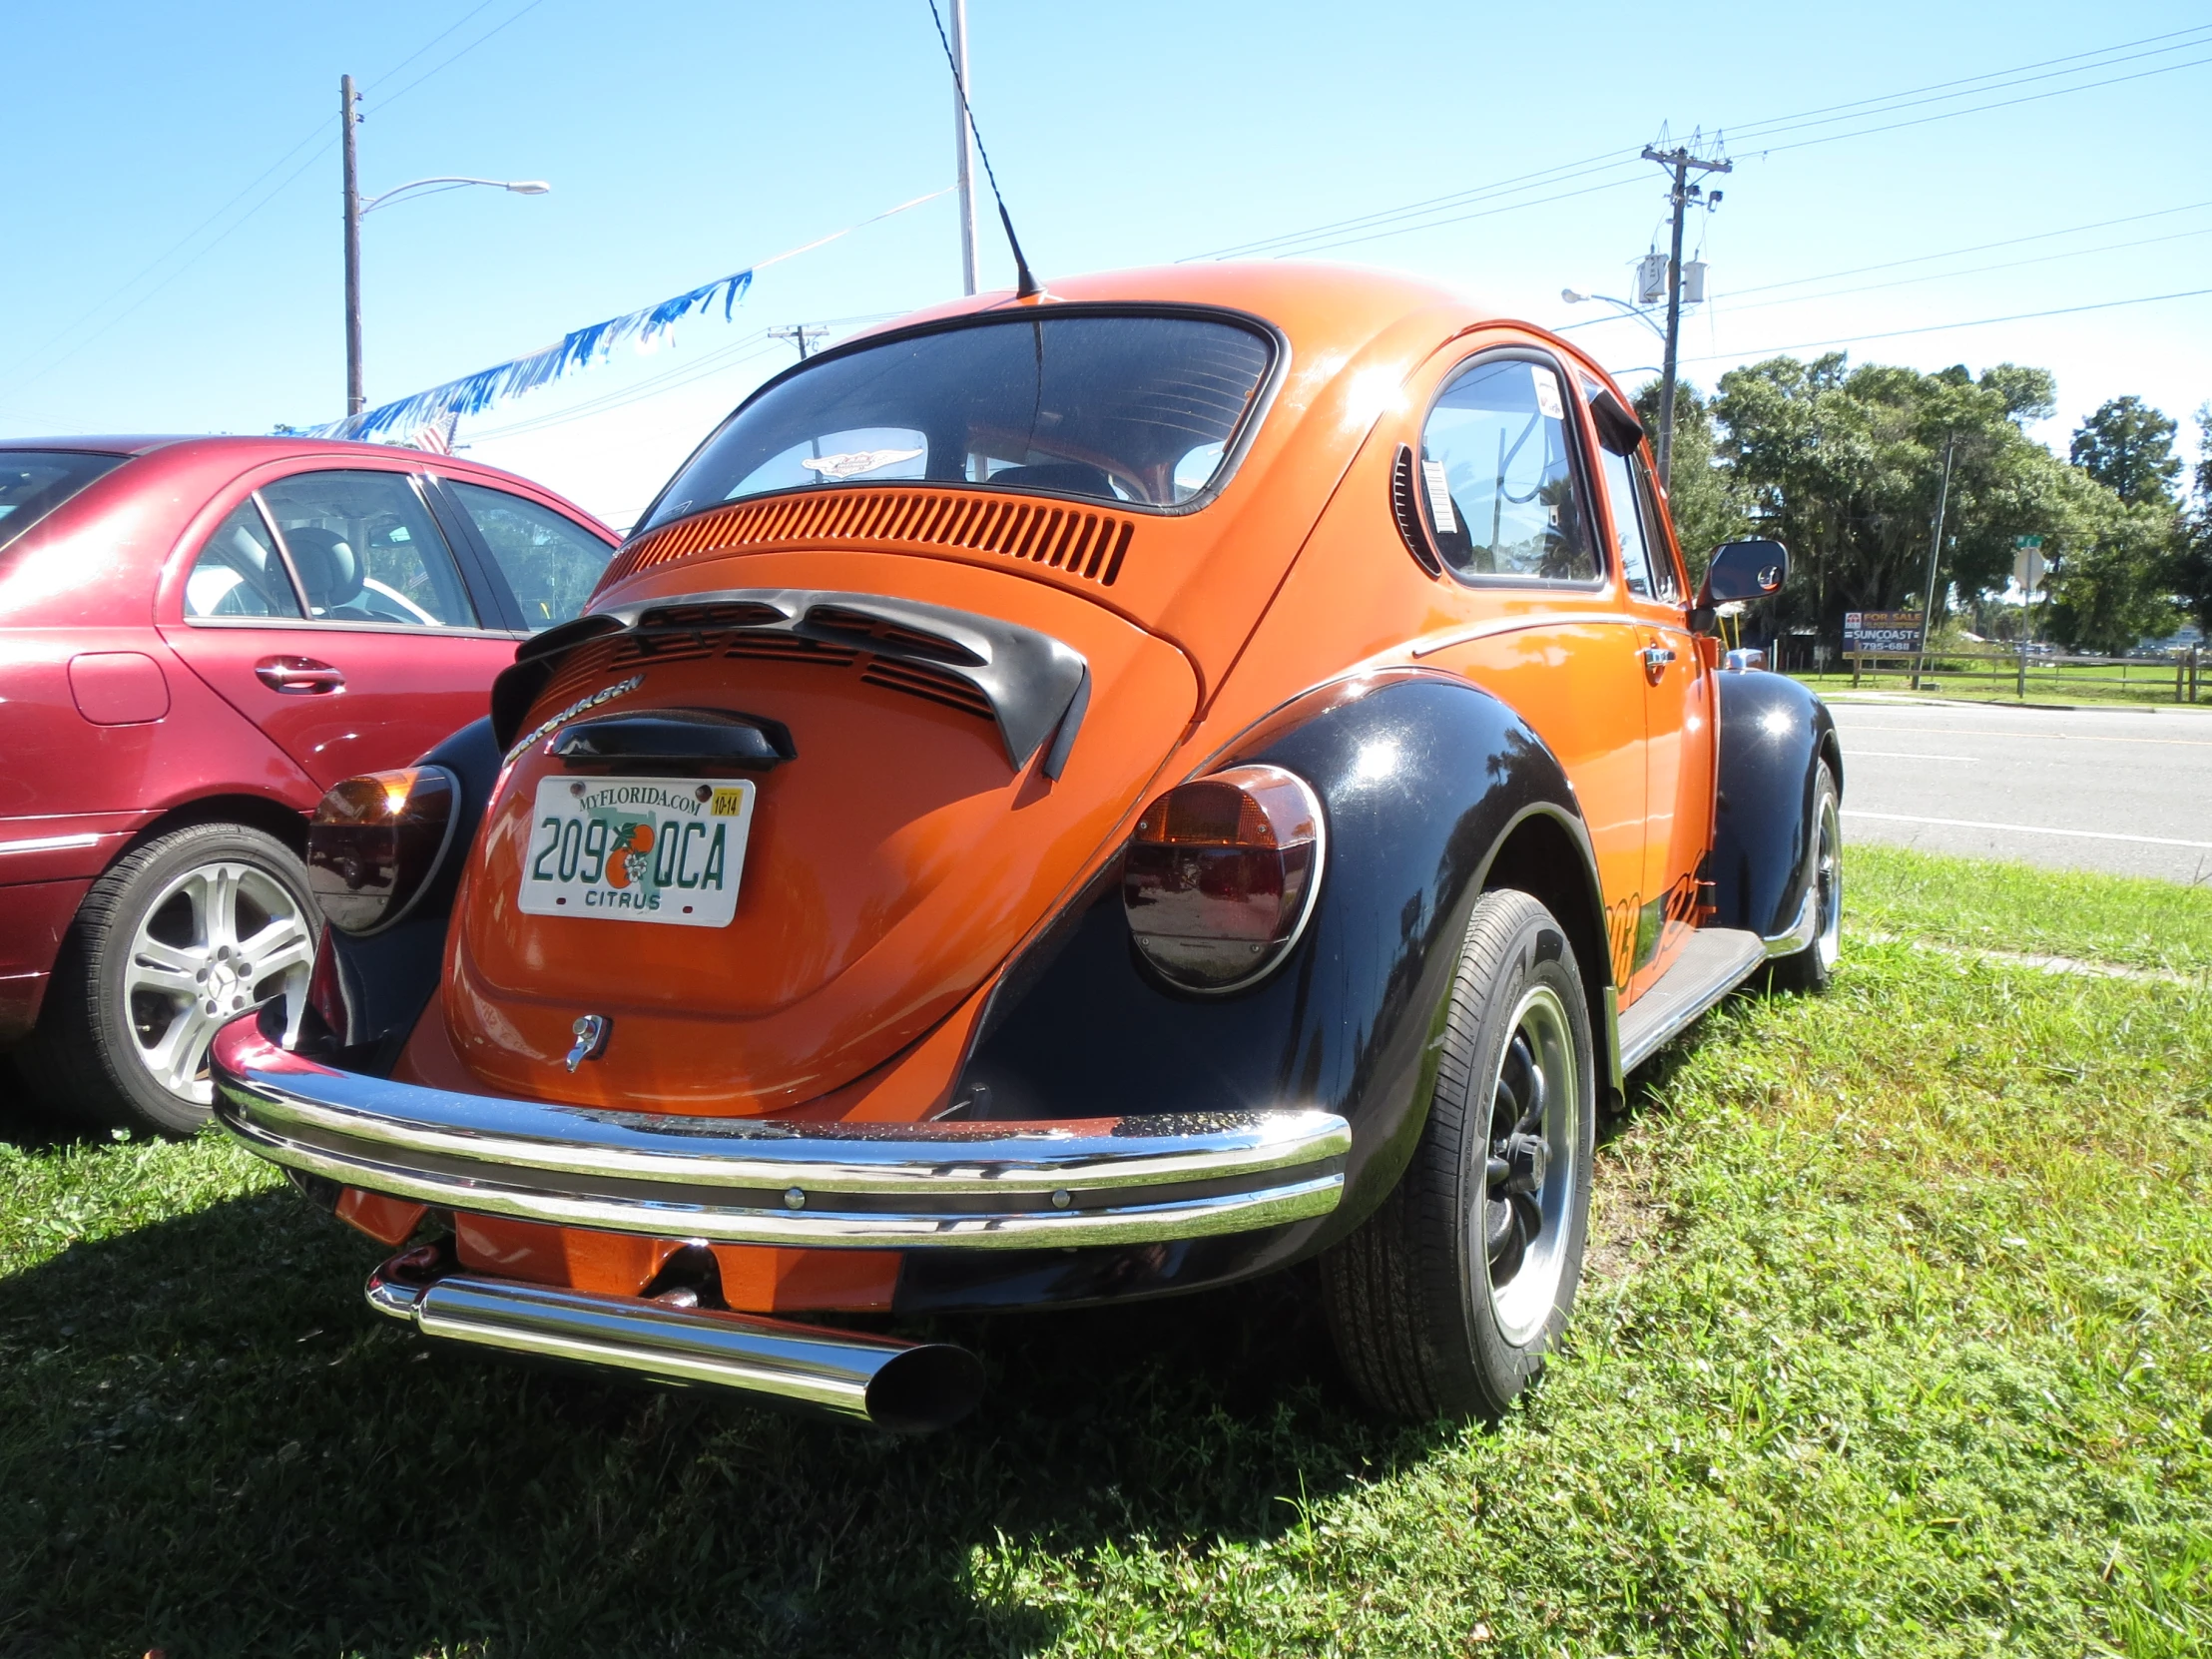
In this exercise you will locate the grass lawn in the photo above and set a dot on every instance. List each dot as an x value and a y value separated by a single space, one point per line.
1900 1343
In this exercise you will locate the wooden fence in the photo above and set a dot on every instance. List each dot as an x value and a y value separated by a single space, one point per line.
2177 675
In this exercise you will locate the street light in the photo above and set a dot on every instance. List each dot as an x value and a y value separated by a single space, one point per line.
356 204
521 187
1576 298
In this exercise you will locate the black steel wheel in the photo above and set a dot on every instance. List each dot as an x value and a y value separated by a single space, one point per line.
1446 1300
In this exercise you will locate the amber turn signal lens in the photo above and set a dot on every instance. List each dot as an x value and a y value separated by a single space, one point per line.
376 842
1221 875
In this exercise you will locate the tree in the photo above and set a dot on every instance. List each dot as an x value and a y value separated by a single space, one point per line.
1845 465
2129 447
1702 498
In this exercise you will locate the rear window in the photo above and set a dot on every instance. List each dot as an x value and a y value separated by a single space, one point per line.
33 483
1135 409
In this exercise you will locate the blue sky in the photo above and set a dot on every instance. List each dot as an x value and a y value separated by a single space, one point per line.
174 250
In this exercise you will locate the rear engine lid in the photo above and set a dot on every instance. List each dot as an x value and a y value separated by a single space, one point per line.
874 774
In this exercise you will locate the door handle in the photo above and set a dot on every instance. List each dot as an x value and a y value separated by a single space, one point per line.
299 674
1656 658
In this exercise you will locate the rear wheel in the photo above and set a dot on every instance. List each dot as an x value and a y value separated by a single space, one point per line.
1809 971
1447 1297
182 935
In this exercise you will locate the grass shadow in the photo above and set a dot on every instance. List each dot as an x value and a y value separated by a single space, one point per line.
32 1120
208 1445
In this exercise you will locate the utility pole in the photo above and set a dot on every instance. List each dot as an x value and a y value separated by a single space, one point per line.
1681 161
1935 548
356 401
963 173
801 334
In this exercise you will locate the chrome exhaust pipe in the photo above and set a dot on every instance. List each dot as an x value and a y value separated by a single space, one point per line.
905 1388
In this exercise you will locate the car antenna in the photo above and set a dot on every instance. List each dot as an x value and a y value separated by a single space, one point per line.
1025 284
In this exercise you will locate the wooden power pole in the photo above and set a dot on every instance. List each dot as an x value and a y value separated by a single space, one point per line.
356 401
1681 161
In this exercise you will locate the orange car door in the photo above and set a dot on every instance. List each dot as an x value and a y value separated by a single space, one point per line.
1505 487
1678 746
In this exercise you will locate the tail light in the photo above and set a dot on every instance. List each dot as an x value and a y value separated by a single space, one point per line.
376 842
1221 876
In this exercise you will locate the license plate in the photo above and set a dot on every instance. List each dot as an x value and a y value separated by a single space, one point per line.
638 849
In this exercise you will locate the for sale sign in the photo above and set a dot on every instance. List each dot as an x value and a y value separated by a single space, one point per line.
1882 630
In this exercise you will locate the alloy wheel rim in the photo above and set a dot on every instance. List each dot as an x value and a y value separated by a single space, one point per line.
220 939
1531 1173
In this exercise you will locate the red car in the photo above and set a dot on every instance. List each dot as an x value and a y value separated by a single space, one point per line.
198 637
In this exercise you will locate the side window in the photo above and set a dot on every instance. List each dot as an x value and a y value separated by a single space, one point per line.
1629 539
367 550
550 563
1655 536
1498 477
238 573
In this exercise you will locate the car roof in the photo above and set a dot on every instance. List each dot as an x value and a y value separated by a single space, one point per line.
1316 305
188 452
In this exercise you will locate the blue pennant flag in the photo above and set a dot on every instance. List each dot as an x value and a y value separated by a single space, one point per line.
473 394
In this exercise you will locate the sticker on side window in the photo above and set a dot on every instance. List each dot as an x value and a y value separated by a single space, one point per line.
1440 498
1547 395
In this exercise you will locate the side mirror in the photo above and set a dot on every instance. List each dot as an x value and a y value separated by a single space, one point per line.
1743 570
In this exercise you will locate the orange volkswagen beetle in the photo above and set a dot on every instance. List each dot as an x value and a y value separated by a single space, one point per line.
1062 800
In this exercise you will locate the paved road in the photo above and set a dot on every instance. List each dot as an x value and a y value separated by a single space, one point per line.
2126 792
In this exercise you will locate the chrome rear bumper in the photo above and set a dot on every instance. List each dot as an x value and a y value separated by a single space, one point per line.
899 1186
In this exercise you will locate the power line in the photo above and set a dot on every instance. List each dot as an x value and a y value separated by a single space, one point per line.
1969 271
1975 248
446 63
2017 76
1370 227
1941 328
112 318
1933 277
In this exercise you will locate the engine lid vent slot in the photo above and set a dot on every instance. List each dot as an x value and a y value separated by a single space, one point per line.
1082 543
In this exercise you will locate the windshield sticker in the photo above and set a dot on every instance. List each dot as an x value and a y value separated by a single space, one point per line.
1440 498
621 688
855 461
1547 395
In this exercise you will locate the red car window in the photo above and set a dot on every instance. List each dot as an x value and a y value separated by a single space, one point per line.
550 563
239 572
367 550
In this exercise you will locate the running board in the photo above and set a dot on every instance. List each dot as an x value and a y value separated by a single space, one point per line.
1713 964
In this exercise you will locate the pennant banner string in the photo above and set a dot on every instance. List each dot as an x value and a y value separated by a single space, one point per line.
474 393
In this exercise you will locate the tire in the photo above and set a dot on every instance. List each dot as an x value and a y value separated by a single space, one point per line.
1443 1303
1808 971
146 974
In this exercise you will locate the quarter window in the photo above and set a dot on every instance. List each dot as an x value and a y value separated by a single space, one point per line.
367 550
1630 540
1655 535
1498 480
238 572
550 564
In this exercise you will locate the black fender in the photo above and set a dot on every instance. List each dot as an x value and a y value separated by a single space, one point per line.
369 992
1773 734
1423 781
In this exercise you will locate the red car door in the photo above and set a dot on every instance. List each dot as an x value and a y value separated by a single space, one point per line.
328 609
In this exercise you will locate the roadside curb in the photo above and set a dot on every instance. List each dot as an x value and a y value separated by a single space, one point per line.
2073 966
